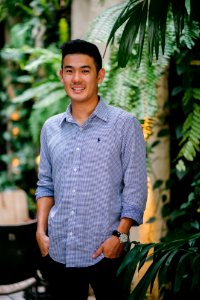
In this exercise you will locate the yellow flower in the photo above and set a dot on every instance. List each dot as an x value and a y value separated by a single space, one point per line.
14 116
15 162
15 131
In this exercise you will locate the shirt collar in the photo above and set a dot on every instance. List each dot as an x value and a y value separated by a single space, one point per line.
101 111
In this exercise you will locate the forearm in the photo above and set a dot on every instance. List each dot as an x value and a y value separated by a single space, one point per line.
125 225
44 205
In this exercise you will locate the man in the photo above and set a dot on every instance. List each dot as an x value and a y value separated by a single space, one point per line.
92 183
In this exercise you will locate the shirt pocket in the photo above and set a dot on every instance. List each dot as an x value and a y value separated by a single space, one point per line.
96 149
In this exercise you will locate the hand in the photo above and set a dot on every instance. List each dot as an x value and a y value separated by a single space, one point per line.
43 243
111 248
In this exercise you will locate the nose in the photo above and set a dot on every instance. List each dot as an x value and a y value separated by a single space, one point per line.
76 77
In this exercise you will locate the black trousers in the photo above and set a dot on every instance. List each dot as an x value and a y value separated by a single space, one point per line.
73 283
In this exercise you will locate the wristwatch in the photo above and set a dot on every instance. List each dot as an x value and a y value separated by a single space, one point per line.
123 237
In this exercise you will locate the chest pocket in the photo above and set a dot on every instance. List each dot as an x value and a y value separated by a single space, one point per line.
100 149
96 149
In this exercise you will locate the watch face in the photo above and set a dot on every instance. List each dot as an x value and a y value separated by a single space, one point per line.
123 238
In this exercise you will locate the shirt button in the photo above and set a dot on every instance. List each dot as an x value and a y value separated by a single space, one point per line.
81 128
72 212
71 233
75 169
73 191
77 148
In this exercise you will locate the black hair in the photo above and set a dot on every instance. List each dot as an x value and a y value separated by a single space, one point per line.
82 47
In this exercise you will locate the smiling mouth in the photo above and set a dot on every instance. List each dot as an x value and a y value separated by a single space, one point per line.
78 89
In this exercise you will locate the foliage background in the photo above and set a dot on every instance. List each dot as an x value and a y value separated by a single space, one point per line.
32 34
31 92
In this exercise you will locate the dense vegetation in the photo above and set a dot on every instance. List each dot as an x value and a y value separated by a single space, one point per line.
31 30
31 92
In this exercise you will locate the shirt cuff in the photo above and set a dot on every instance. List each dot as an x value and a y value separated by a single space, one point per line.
41 194
133 213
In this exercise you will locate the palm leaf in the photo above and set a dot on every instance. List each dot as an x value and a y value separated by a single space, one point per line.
163 21
196 271
134 15
129 35
179 11
142 31
164 270
140 290
125 14
129 264
136 257
181 271
164 261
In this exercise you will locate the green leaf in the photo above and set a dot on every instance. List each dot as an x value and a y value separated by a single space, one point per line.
154 144
165 268
143 254
37 91
196 271
129 265
157 184
151 220
163 21
179 11
140 290
163 132
129 35
142 31
50 98
123 17
176 90
181 271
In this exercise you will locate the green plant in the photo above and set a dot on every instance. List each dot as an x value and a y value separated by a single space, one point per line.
40 27
141 16
180 254
46 91
129 86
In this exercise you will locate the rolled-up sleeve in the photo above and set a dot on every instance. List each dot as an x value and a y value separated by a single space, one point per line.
134 170
45 184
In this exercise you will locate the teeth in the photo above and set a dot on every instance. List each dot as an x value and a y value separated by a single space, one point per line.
77 89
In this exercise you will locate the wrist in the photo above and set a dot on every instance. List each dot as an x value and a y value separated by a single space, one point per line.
40 233
122 236
125 225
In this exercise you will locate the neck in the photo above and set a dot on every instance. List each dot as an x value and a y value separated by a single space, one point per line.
81 110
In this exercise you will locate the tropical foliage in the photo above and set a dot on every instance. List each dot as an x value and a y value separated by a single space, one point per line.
135 87
135 45
31 92
29 64
144 17
176 263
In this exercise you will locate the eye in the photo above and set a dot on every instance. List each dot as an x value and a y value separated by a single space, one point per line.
68 71
85 71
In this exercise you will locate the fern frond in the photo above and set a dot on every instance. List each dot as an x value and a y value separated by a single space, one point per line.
196 93
191 134
100 28
187 96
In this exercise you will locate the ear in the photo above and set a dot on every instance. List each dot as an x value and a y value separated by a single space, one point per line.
101 75
61 75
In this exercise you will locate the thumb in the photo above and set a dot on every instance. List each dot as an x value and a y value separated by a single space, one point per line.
97 252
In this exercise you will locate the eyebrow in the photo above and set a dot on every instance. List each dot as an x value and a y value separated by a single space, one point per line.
82 67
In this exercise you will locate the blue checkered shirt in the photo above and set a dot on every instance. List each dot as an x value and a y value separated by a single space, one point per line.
97 175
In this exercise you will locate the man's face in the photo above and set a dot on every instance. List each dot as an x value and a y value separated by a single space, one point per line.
80 78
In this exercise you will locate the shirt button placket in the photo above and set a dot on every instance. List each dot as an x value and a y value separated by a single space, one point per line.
75 174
